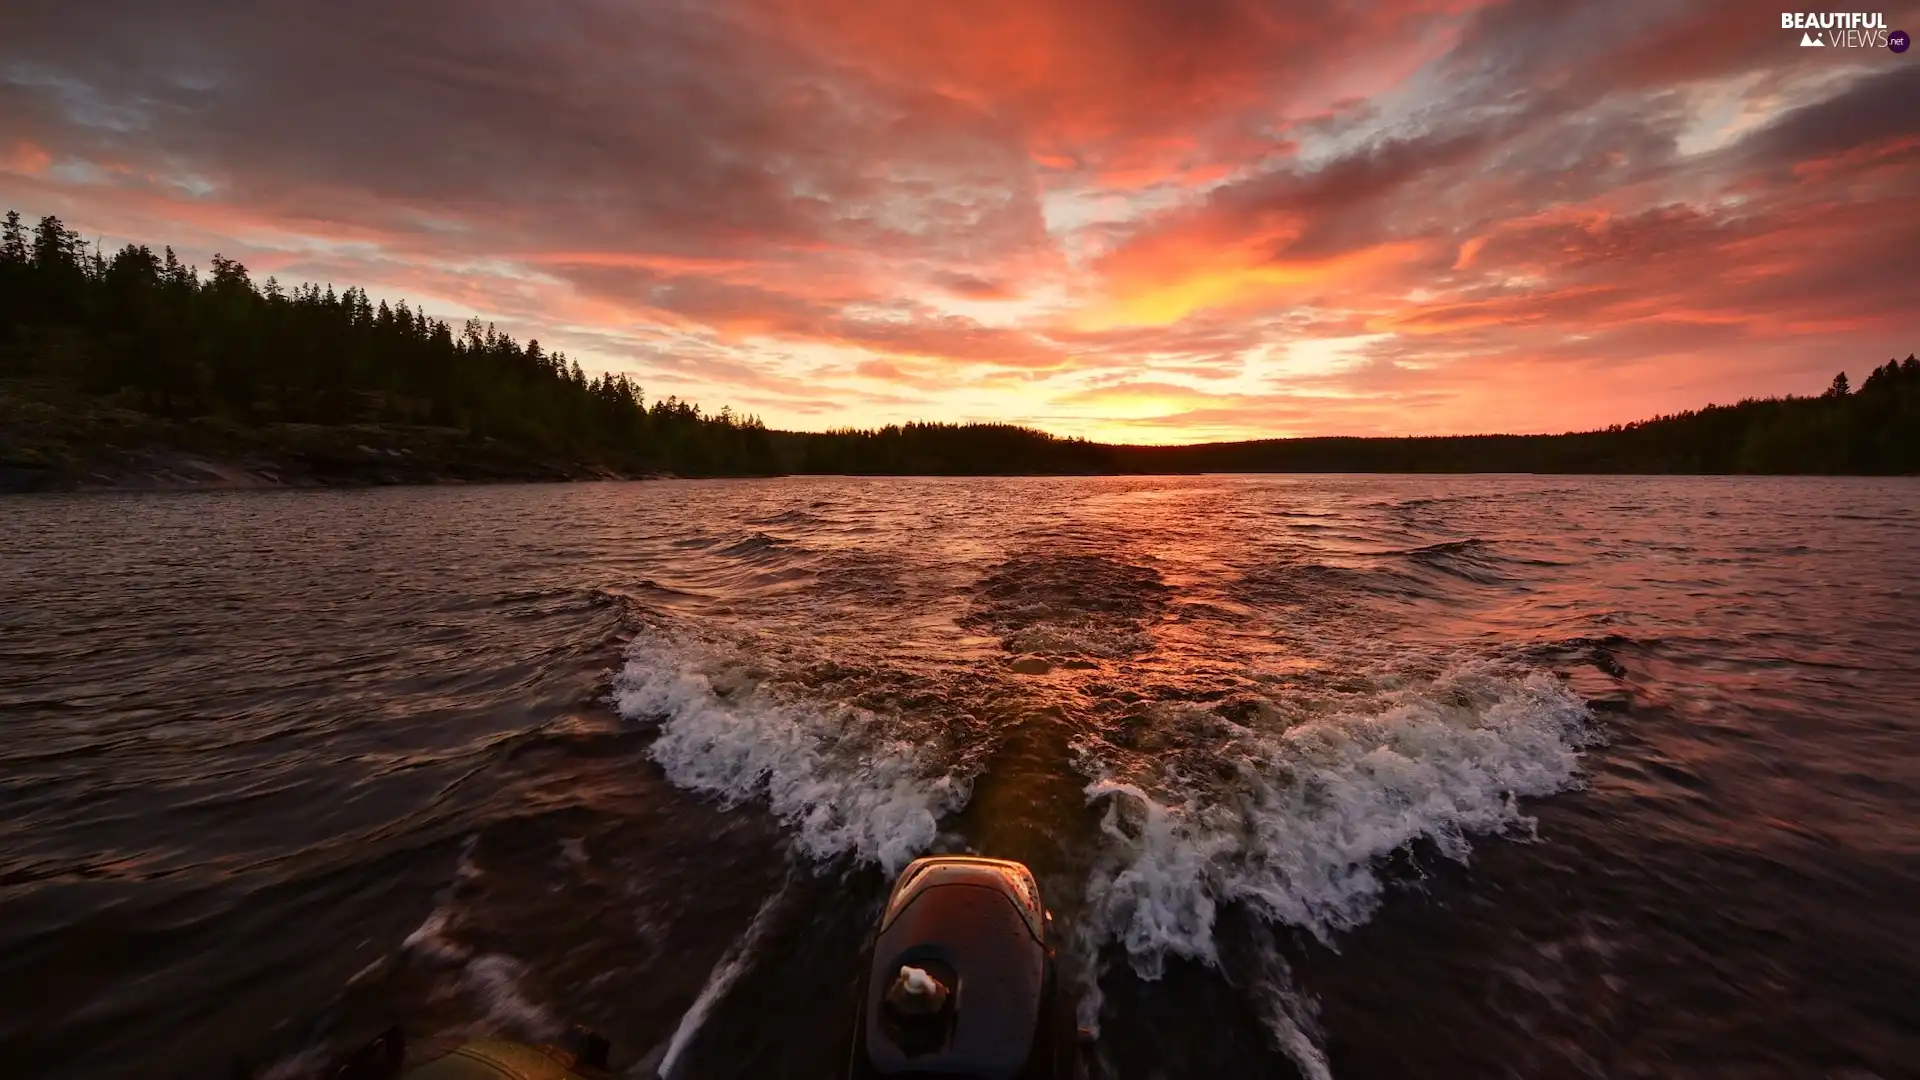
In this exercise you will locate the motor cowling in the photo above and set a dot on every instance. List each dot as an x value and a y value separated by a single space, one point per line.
962 981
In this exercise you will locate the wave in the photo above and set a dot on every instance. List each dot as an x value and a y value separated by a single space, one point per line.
755 544
1471 559
846 780
1045 603
1293 824
1071 640
495 981
1314 584
1395 576
1447 547
790 517
643 594
738 957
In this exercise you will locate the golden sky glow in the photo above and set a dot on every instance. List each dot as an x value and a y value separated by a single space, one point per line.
1137 220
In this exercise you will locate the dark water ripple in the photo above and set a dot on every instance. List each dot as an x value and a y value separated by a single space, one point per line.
1329 776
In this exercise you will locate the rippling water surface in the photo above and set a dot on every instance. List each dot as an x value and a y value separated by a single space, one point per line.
1329 776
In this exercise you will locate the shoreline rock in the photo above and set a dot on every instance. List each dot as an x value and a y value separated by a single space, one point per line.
53 439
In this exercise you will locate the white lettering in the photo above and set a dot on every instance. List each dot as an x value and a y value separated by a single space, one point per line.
1850 39
1833 20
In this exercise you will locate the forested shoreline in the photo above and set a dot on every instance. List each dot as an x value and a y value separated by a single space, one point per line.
126 365
153 348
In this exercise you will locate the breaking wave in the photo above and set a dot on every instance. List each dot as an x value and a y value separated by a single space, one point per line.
1293 824
846 780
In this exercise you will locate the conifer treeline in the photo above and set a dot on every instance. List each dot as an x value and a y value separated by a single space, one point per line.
183 344
186 344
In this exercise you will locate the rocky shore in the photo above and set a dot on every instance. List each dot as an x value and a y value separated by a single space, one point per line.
55 440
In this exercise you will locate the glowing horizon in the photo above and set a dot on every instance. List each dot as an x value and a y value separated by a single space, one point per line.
1138 221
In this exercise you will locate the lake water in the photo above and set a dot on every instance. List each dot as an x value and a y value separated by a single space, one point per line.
1324 776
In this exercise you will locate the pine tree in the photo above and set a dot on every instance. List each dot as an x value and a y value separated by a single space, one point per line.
52 245
14 248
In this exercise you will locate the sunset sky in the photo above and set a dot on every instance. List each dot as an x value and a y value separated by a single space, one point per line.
1136 220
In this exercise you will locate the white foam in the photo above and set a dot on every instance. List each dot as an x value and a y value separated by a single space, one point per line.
498 982
1291 1017
495 981
720 980
1296 826
847 781
431 938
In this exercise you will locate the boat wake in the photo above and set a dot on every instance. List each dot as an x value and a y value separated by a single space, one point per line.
847 780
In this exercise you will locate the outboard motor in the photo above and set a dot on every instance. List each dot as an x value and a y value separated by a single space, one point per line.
962 982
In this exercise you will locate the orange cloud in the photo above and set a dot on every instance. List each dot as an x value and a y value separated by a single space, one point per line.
1236 278
25 158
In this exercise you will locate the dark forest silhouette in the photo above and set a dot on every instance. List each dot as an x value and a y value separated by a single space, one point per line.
181 344
151 334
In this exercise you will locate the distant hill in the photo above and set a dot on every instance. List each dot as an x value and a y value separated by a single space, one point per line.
134 370
1875 430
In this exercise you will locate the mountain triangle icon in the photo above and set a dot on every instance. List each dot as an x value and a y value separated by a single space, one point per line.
1809 40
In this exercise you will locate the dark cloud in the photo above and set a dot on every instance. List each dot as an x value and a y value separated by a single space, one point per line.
1596 48
668 126
1880 106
